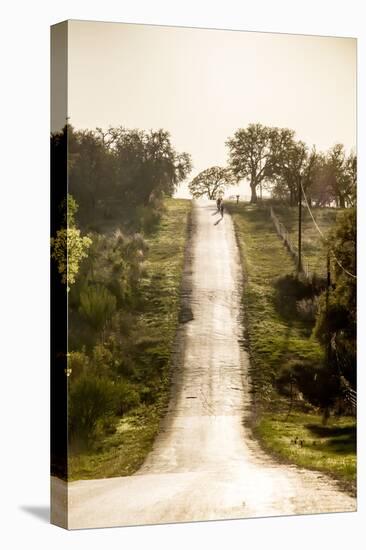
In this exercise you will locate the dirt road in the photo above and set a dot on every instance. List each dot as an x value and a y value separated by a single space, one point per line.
204 464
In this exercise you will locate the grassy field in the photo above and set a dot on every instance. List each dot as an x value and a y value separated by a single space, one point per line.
314 257
275 340
122 452
302 439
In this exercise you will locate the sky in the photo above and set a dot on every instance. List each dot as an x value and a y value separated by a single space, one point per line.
201 85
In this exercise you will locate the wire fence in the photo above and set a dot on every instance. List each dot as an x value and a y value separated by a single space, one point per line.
284 234
323 237
348 393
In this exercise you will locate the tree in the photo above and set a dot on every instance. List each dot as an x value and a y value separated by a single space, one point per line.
292 164
336 322
147 166
321 190
253 153
122 166
211 182
89 171
339 174
68 247
288 165
351 171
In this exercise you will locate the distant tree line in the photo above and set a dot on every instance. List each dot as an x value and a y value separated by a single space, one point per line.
122 170
273 158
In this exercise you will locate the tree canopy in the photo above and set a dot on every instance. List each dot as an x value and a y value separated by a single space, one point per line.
252 153
275 158
129 166
293 164
211 182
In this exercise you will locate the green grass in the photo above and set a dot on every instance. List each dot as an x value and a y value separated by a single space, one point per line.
302 440
314 255
123 452
274 340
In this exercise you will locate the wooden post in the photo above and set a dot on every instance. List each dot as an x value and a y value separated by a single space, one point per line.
299 264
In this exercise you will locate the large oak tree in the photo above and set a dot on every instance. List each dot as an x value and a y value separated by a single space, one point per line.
252 153
211 182
294 165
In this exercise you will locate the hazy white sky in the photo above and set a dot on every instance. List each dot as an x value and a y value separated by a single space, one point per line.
201 85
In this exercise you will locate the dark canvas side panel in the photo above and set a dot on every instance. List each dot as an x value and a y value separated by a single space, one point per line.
59 57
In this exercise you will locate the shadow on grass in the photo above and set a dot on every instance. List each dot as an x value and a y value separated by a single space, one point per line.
341 439
332 431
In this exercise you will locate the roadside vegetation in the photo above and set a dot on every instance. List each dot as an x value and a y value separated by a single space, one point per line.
303 440
135 357
120 253
300 314
299 414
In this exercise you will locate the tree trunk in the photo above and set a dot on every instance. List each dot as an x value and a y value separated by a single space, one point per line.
342 202
254 198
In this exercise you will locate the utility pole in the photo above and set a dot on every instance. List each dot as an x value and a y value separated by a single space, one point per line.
299 265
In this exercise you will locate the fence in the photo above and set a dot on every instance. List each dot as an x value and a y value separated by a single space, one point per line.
349 394
283 233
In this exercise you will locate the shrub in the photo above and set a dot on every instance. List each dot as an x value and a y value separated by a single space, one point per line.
116 263
68 250
148 218
307 308
126 397
91 399
97 305
318 383
291 289
102 360
78 363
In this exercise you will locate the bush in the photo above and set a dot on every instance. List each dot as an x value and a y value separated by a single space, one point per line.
126 397
91 399
102 361
307 308
78 363
318 383
97 306
291 289
116 263
336 325
148 218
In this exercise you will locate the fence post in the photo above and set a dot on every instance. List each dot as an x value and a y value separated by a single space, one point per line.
299 264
